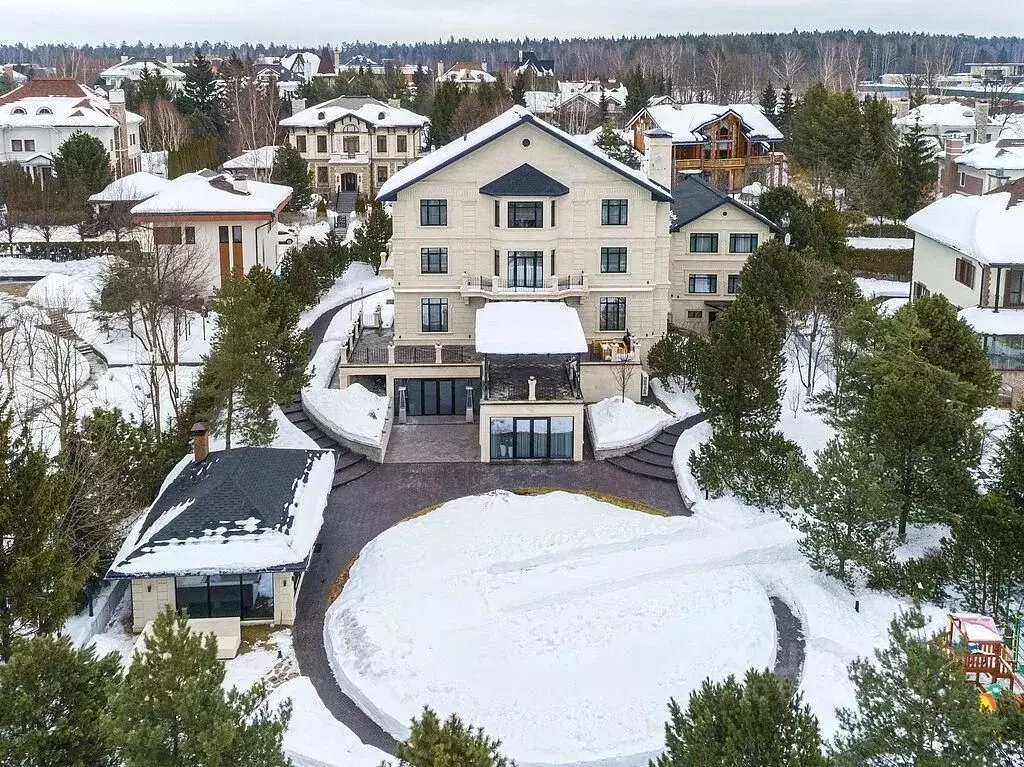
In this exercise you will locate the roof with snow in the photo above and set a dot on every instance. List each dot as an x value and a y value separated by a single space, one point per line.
985 227
528 60
301 62
686 121
368 110
209 192
255 159
466 72
493 129
693 197
950 115
529 327
134 187
132 69
987 322
525 181
1002 154
249 509
58 102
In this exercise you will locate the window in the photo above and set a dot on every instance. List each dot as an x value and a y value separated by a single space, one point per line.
190 235
961 179
964 272
613 314
321 144
403 143
434 260
614 212
552 262
741 243
350 144
703 243
433 212
497 213
525 215
249 596
734 283
434 315
166 235
703 283
552 213
44 111
694 314
613 260
382 174
382 144
300 144
921 290
532 438
1014 295
321 174
131 139
497 262
525 269
236 234
30 145
18 111
16 144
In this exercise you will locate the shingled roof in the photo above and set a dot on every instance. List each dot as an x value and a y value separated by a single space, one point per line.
693 197
43 87
525 181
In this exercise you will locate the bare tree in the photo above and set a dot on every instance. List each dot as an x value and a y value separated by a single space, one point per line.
253 109
789 67
163 128
853 62
623 372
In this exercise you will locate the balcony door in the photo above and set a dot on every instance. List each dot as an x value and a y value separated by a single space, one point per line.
526 269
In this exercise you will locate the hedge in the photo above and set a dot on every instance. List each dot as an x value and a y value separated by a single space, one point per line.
884 264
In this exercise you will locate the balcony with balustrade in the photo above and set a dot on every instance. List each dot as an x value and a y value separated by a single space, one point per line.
535 288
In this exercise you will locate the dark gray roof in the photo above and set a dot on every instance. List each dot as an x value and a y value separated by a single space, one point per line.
223 494
693 197
525 181
508 377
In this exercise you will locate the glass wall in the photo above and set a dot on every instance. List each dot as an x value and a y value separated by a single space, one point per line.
437 396
532 438
249 596
1004 352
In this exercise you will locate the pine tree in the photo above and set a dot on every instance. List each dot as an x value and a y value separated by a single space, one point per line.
518 94
613 145
760 722
914 705
201 93
82 162
39 579
53 705
1009 464
291 357
171 710
876 121
777 277
918 169
848 513
769 101
291 170
881 191
638 90
785 109
240 379
446 100
372 238
153 85
451 744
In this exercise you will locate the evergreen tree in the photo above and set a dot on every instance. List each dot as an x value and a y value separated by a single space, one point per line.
880 190
777 277
446 100
291 358
201 93
914 705
291 170
769 101
82 162
848 513
53 705
432 743
638 90
761 722
780 204
809 138
372 238
153 85
518 94
1009 464
613 145
39 579
240 381
876 121
171 710
918 169
785 109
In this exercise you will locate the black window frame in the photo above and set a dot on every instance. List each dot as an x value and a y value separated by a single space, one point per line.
382 138
691 283
694 314
696 237
433 260
433 212
621 212
243 614
497 214
611 313
427 319
516 218
321 141
350 141
734 283
619 254
300 144
497 263
552 213
401 143
190 235
513 443
17 145
382 174
735 237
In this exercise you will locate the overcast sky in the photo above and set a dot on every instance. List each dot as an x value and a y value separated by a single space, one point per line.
308 22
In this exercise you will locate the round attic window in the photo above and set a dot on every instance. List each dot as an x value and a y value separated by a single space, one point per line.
526 142
18 111
44 111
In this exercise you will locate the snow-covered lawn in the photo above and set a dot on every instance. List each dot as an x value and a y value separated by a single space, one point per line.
872 288
616 423
880 243
74 292
358 280
118 346
38 267
353 412
672 394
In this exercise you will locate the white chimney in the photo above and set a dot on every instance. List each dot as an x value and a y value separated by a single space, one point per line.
169 59
902 108
483 65
298 105
241 185
440 68
980 121
116 96
124 59
659 157
531 383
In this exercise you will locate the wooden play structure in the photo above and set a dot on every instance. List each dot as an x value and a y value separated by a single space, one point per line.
982 651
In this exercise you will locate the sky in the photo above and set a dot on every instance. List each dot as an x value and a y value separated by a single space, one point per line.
311 22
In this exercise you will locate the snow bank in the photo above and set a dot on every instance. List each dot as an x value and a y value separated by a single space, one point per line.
618 423
112 339
63 291
354 413
880 243
358 280
872 288
39 267
672 394
323 364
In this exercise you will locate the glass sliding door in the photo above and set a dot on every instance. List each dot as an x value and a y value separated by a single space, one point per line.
501 439
249 596
437 396
562 437
532 438
526 269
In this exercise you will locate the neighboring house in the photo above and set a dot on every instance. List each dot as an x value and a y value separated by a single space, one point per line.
128 191
256 164
302 64
968 248
581 112
731 146
229 536
40 115
354 144
468 74
10 76
535 72
359 62
132 68
981 168
287 81
232 222
712 236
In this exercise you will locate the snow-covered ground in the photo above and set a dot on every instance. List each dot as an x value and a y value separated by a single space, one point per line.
327 355
616 423
672 394
358 280
872 288
353 412
880 243
118 346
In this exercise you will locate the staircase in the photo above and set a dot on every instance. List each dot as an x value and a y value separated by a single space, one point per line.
349 465
654 460
61 328
345 203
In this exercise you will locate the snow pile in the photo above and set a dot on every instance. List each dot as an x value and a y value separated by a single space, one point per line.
529 327
872 288
38 267
354 412
617 423
357 281
62 291
672 394
880 243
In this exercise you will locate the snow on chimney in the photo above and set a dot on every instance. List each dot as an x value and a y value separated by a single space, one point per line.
169 59
124 59
531 383
440 68
483 65
200 442
241 185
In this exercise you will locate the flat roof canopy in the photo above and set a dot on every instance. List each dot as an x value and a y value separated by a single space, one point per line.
529 327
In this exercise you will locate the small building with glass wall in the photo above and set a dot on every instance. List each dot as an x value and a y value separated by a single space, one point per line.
230 536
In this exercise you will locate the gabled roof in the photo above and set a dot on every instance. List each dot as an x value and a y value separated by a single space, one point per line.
134 187
684 121
525 181
369 110
134 66
42 87
467 72
694 197
250 509
209 192
1002 154
488 132
528 60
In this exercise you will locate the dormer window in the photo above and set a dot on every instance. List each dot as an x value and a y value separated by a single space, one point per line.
18 111
44 111
321 115
381 115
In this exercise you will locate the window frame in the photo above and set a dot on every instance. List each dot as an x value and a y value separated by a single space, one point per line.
382 174
322 176
711 237
514 219
436 206
964 272
17 145
300 143
30 144
382 143
167 235
401 143
710 277
734 284
347 142
427 323
621 208
735 237
609 319
694 314
621 260
321 144
190 235
428 264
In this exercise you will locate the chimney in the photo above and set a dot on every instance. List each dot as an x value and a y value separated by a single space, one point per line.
954 146
902 108
120 114
124 59
169 59
395 103
531 384
483 65
659 157
298 105
980 121
200 442
440 68
240 185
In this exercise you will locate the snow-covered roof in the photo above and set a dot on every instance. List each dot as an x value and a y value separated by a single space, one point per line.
529 327
132 69
985 227
211 192
1002 154
134 187
255 159
684 121
308 56
465 72
540 102
528 60
250 509
949 115
977 627
58 102
369 110
986 321
491 130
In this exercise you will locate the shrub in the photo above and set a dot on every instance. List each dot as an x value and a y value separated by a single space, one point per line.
895 264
